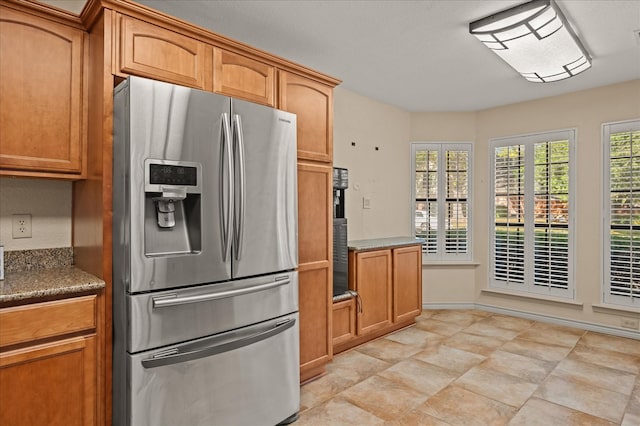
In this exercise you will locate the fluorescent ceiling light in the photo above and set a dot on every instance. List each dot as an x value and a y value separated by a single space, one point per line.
535 39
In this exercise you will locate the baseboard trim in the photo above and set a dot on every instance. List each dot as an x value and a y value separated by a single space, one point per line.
448 306
615 331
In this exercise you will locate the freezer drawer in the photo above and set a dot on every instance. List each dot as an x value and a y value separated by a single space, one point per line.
248 376
169 317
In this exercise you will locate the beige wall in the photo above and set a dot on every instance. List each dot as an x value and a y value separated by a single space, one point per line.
460 280
370 123
586 111
382 176
48 202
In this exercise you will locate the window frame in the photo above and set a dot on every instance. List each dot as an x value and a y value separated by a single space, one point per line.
529 222
441 256
607 130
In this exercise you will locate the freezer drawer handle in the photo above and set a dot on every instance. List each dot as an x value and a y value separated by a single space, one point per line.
175 358
173 299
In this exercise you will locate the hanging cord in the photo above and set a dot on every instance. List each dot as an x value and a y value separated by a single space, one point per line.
358 299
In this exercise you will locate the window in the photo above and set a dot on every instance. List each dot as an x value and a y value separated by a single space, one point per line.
442 199
622 213
532 205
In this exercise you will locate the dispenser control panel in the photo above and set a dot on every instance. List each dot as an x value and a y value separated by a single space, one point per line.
167 174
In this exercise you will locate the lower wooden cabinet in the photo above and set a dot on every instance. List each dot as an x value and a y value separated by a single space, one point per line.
48 363
344 321
315 322
389 285
372 280
407 283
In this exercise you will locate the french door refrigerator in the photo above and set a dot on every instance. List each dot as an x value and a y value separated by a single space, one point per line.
205 288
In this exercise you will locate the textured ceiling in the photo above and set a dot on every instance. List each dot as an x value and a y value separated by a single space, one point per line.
417 55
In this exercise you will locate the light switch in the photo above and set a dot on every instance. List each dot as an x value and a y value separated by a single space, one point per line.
366 202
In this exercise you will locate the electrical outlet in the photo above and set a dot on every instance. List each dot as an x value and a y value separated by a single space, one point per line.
21 225
630 323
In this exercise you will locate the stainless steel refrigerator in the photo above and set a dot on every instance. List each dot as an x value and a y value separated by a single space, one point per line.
205 288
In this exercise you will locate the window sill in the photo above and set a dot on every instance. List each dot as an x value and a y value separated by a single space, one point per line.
451 263
615 309
498 292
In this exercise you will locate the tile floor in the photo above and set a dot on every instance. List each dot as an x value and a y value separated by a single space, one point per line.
470 367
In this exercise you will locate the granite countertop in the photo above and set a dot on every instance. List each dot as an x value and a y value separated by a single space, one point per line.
47 282
32 274
382 243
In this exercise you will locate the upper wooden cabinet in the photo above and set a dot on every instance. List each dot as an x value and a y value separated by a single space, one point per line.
42 97
313 104
155 52
242 77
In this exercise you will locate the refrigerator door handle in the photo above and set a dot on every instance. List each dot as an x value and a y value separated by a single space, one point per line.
241 196
173 299
226 207
174 356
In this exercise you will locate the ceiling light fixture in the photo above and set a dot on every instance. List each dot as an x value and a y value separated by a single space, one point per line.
535 39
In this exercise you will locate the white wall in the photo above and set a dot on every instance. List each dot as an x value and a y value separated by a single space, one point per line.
48 202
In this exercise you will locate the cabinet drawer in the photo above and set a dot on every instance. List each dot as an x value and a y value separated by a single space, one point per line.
48 319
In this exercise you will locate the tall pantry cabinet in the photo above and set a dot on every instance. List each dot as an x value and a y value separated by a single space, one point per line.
312 102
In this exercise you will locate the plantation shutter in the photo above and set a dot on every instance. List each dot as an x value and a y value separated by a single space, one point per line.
426 204
622 265
532 223
441 174
508 238
457 205
551 214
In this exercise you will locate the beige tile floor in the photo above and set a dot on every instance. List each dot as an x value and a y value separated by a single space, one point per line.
470 367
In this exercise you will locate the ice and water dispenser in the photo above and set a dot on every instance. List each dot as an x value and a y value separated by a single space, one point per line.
173 222
340 250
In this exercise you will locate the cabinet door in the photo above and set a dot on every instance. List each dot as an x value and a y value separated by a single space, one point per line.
313 104
315 323
344 321
374 284
42 66
315 267
407 283
154 52
238 76
50 384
